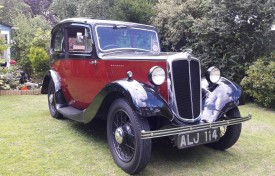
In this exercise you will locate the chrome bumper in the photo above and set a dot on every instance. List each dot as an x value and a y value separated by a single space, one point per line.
192 128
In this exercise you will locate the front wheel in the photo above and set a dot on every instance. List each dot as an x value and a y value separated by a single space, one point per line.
124 126
229 134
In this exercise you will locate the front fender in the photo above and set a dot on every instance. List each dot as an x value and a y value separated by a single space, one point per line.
144 100
217 102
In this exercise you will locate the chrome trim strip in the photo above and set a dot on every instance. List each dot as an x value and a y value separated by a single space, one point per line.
192 128
190 86
171 89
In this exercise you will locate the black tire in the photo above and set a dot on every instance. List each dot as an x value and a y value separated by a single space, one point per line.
52 101
229 134
129 151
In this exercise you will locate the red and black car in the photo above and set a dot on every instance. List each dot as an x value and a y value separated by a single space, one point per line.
116 71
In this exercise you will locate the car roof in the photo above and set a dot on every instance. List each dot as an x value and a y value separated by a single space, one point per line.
100 21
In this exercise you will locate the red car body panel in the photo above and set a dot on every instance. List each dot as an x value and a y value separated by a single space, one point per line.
81 80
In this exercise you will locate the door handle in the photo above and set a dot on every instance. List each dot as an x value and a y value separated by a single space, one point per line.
94 62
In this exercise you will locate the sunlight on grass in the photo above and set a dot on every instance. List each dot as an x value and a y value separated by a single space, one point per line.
33 143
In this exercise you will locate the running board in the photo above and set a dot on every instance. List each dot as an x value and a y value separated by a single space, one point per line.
72 113
192 128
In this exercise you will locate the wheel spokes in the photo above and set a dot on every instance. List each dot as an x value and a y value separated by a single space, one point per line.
126 148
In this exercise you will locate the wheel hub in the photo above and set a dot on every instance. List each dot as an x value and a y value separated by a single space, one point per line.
119 134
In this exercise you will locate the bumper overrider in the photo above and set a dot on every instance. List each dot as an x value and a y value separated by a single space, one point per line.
193 128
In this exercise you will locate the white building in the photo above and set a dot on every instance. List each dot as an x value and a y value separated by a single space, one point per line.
5 30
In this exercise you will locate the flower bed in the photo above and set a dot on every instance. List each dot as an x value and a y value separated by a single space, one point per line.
19 92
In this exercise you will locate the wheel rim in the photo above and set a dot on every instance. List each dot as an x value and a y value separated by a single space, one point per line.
222 130
123 136
51 99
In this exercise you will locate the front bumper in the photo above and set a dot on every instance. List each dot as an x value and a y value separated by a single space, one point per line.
192 128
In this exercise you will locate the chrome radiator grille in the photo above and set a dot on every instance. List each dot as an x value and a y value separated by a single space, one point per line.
187 88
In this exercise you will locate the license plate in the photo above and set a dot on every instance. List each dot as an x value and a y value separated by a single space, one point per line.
198 138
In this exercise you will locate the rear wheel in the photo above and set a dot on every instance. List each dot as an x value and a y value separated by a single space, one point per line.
229 134
52 101
129 151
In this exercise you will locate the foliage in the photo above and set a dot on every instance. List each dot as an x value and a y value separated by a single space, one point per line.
11 9
174 20
39 7
227 34
39 59
139 11
9 78
3 45
31 32
83 8
260 81
42 39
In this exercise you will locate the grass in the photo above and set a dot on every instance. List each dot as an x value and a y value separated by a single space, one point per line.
33 143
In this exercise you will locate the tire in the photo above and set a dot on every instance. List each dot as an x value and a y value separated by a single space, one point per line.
52 101
129 151
229 134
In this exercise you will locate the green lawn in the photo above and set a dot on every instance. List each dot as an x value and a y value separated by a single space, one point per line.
33 143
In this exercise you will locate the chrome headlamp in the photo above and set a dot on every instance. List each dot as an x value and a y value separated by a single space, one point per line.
157 75
213 75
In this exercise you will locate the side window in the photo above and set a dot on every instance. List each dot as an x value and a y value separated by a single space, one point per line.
58 41
79 39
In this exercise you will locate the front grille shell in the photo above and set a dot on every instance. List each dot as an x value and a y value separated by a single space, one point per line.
181 86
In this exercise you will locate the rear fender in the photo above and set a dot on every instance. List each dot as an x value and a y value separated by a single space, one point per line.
59 97
48 76
217 102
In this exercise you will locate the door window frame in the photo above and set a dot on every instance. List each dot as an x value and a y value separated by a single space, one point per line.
66 38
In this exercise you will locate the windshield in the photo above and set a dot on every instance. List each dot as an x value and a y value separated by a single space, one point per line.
121 37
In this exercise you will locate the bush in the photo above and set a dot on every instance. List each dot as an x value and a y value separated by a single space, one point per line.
138 11
3 45
260 82
39 59
32 32
228 34
9 78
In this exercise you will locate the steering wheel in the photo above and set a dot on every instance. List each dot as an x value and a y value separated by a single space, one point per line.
110 46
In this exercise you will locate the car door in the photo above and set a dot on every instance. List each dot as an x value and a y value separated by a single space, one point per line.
80 70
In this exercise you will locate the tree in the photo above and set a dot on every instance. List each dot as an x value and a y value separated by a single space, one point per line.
139 11
174 20
234 34
11 9
228 34
83 8
31 32
39 7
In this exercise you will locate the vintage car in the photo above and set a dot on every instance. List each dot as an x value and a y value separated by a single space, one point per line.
116 71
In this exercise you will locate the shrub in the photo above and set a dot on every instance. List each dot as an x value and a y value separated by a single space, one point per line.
39 59
260 82
9 78
32 32
228 34
139 11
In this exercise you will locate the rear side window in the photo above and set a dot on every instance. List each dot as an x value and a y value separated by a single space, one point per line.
58 41
79 39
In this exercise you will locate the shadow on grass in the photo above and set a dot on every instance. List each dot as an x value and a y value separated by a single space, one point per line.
93 130
165 157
